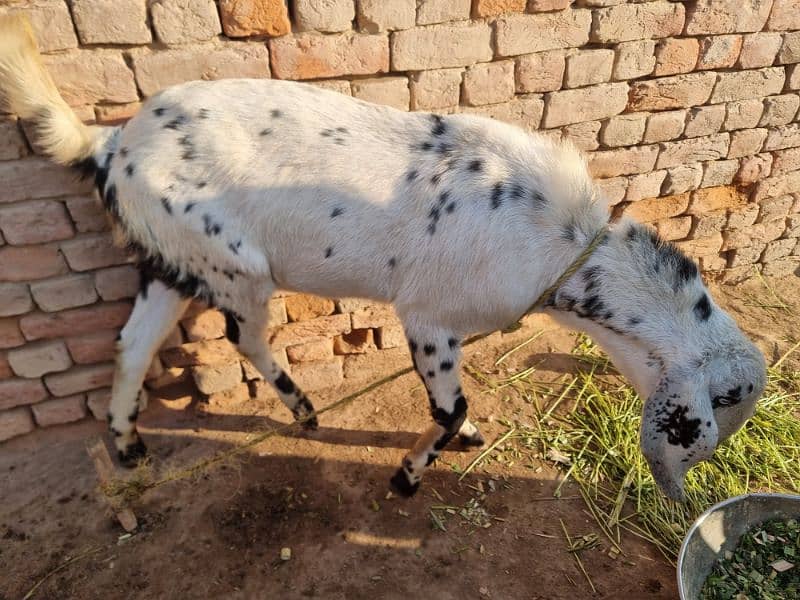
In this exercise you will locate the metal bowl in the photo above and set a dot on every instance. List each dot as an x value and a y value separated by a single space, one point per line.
720 528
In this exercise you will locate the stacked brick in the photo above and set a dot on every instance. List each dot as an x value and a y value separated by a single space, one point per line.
690 113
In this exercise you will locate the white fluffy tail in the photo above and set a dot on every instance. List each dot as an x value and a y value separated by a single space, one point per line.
29 91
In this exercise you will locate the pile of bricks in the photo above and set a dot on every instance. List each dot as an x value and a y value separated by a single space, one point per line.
690 113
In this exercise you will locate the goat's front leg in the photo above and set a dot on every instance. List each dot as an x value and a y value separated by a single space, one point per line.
436 356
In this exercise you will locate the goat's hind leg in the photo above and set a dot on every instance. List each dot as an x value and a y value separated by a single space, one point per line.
155 313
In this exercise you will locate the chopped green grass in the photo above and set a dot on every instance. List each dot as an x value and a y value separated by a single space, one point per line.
593 430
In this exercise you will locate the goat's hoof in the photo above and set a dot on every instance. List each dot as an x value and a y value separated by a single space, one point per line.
311 424
132 454
476 439
401 484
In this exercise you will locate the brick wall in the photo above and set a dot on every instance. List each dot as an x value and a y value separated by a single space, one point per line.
689 112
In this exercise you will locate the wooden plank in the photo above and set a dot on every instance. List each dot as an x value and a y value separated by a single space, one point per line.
105 472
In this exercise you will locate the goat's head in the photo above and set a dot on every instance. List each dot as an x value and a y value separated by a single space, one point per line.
643 301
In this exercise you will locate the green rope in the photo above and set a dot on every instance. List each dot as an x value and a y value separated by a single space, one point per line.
125 490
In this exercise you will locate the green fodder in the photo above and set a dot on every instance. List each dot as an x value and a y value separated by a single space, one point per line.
597 441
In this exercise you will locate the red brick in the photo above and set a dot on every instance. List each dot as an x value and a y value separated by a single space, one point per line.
64 292
39 358
653 209
315 350
693 150
759 50
5 368
37 178
98 346
243 18
637 21
716 198
719 51
587 67
680 91
97 402
60 410
540 72
357 341
208 325
311 56
488 83
492 8
12 144
303 307
676 55
93 252
585 104
522 34
634 59
15 422
18 392
80 379
88 214
117 283
89 76
675 228
624 161
785 15
713 16
25 263
76 321
15 299
702 246
741 85
10 335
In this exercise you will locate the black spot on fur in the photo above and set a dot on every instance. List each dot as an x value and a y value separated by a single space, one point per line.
413 345
110 200
231 327
445 148
166 204
412 175
446 365
439 126
234 247
201 184
275 113
328 252
452 421
202 113
435 178
265 132
189 206
336 212
129 169
497 195
326 132
452 343
475 166
123 151
702 309
450 207
431 373
426 146
517 191
537 198
159 111
429 349
176 122
134 414
568 233
634 321
680 430
402 484
392 263
210 227
284 384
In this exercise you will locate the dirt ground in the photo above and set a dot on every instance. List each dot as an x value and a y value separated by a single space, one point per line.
324 496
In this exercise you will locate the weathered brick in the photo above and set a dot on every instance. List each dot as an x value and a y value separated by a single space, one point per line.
87 213
523 111
80 379
276 311
97 402
585 104
207 325
785 15
64 292
50 20
492 8
440 88
305 331
587 67
743 217
128 25
716 198
710 223
646 185
793 77
117 283
787 136
184 21
653 209
523 34
793 226
24 263
375 315
375 16
782 266
759 50
719 51
110 315
10 334
585 136
93 252
779 110
741 85
637 21
719 172
790 49
86 76
613 189
676 55
489 83
540 72
357 341
243 18
216 378
95 347
754 168
785 160
664 126
15 299
341 86
390 336
303 307
439 11
683 178
37 178
743 114
634 59
772 209
390 91
437 46
625 161
116 114
15 422
313 376
34 222
34 360
665 93
715 16
19 392
162 69
12 144
315 350
746 142
624 130
704 120
675 228
329 16
746 255
693 150
708 246
777 185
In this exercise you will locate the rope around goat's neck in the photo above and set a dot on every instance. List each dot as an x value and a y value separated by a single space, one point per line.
124 490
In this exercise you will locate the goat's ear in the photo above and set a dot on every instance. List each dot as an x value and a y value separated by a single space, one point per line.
678 428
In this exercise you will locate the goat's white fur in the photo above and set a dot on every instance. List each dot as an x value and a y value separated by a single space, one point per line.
460 222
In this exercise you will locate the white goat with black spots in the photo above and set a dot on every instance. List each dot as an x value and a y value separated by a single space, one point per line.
229 190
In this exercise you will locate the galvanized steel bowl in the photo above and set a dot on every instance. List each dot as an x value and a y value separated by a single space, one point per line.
720 528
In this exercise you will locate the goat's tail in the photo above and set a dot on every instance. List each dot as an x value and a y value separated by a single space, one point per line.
29 91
